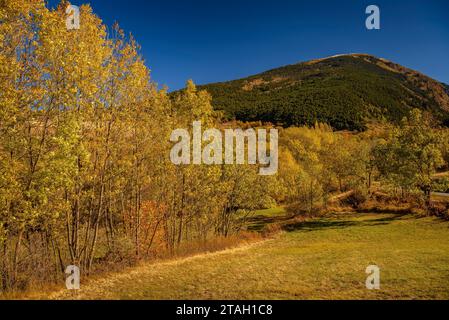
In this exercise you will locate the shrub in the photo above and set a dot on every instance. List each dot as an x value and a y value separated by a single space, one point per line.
438 209
357 198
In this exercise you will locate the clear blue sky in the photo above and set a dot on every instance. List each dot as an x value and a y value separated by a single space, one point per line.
214 40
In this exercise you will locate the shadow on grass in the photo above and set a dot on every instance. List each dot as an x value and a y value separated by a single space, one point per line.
322 224
259 222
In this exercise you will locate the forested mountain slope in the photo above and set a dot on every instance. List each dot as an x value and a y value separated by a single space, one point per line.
345 91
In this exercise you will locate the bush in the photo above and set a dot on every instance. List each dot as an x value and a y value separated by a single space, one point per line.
446 215
438 209
357 198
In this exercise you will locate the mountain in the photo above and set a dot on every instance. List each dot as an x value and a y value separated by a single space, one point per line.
346 91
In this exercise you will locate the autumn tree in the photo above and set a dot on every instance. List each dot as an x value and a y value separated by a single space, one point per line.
412 154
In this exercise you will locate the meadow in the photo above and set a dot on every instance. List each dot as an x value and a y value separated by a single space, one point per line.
322 258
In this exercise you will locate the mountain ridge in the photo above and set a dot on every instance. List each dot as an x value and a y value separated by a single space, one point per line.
346 91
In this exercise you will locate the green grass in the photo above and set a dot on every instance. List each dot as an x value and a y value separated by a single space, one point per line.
320 259
272 212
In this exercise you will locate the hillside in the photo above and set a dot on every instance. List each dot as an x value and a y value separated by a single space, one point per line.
345 91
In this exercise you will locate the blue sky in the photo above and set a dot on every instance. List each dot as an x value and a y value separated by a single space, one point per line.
214 40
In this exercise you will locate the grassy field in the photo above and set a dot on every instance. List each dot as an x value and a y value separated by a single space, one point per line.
320 259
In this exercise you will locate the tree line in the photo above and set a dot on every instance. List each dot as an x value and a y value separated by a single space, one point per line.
84 144
317 163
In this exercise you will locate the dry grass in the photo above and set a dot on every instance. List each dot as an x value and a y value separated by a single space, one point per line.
187 250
